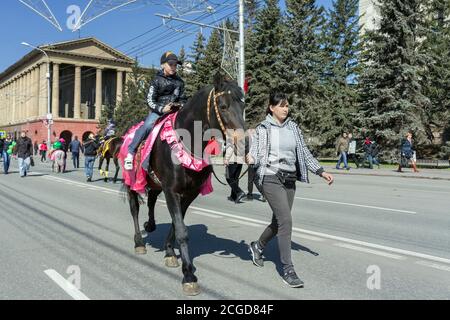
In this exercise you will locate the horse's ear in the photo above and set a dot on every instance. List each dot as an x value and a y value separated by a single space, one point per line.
218 81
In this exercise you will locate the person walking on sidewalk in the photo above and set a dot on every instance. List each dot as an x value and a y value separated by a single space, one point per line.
43 151
90 152
280 157
24 152
6 143
407 153
341 149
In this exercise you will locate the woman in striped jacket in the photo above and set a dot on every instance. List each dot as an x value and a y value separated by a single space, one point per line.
280 157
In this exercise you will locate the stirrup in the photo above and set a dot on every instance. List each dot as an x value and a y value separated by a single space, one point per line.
128 164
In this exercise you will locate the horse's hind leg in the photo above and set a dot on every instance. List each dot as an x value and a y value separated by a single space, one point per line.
107 169
139 245
116 163
190 286
150 225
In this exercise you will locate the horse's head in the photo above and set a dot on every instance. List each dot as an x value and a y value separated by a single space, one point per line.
226 105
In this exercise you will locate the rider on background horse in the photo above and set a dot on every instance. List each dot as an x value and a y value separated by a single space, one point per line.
166 93
110 130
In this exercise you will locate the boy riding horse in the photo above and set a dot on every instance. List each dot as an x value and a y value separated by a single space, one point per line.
166 93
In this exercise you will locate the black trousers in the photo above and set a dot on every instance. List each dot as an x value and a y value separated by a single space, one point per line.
233 171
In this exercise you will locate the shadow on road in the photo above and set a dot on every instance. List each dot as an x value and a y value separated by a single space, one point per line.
201 242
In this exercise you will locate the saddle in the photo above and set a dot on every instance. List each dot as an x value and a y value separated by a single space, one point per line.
106 145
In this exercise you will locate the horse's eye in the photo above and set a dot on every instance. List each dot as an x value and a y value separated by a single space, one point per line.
223 107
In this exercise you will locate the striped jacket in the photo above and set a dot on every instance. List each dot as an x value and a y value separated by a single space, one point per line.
260 149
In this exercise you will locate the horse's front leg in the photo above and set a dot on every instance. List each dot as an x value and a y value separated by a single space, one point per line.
100 163
139 245
190 285
170 258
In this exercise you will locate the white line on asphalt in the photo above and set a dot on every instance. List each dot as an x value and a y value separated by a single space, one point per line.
245 222
433 265
68 287
202 214
304 236
357 205
377 252
328 236
313 233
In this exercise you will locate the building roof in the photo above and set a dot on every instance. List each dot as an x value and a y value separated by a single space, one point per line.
63 48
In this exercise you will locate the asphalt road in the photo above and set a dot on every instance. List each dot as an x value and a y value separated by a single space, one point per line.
365 237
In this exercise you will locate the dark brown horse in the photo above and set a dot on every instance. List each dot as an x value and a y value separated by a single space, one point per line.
218 107
114 145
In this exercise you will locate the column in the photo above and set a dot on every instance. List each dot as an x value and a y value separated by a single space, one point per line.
98 94
16 99
36 99
28 92
2 106
55 90
43 89
77 93
119 87
21 98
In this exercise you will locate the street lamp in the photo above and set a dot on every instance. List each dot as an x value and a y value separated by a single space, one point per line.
49 114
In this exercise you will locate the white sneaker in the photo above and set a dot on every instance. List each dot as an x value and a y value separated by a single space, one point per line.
128 162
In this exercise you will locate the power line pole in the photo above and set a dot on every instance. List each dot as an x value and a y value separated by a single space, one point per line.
241 47
241 75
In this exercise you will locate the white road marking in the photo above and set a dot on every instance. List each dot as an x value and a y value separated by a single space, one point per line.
68 287
309 232
357 205
245 222
202 214
304 236
433 265
377 252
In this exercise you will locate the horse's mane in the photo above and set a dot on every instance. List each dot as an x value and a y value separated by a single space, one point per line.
224 85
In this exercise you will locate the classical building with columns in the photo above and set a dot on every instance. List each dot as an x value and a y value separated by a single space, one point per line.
85 75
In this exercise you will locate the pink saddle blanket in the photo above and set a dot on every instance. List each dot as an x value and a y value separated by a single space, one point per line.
136 179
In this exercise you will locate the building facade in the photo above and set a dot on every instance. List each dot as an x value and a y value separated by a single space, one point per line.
85 76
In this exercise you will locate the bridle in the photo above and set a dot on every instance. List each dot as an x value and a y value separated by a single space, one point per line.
213 96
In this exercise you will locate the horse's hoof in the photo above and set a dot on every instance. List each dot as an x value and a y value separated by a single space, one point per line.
140 250
191 289
171 262
149 227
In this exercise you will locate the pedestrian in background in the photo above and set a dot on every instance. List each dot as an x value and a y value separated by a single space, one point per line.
280 157
35 147
6 144
251 173
233 161
24 152
43 150
407 153
341 150
75 148
90 147
352 150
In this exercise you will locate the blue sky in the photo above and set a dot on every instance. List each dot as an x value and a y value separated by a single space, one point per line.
18 23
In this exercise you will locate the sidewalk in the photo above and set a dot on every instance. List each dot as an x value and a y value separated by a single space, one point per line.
435 174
